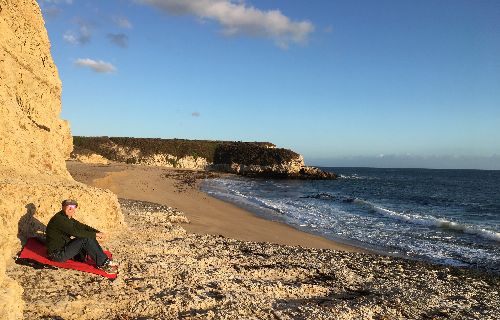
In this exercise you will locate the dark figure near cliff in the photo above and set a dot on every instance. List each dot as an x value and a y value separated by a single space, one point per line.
67 238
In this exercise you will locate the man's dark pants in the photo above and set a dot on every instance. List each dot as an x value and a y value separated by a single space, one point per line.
82 247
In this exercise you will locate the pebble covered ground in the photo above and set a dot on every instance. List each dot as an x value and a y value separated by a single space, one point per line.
166 273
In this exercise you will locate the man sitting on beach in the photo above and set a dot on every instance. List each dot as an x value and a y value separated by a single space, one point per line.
68 238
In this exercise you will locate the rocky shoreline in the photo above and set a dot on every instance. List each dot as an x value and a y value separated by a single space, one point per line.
168 274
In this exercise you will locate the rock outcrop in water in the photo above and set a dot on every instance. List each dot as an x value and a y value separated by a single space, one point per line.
34 143
252 159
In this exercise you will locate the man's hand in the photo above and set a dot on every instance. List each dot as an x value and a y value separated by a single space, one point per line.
101 236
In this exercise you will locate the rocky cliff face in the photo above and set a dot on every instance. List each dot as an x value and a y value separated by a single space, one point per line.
253 159
30 94
173 153
34 143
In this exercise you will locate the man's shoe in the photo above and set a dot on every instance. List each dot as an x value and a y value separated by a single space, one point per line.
112 263
109 267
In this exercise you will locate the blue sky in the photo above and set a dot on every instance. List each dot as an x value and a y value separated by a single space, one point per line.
364 83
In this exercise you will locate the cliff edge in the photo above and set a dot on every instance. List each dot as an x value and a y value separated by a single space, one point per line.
34 143
252 159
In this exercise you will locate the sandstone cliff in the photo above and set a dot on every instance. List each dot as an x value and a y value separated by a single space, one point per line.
34 143
252 159
174 153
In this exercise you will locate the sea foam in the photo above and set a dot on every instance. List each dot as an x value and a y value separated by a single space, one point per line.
431 221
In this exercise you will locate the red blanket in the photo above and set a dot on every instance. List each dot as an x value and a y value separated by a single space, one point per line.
35 250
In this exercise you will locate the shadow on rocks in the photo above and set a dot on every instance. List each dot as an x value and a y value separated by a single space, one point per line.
29 226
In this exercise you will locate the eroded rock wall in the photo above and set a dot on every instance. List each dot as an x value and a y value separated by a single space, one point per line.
170 153
30 94
34 143
171 161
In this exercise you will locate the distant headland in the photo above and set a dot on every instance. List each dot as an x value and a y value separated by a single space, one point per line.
251 159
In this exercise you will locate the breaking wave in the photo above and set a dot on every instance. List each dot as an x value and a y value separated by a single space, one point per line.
430 221
434 215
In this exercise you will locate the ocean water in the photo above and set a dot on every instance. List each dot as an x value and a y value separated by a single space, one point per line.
443 216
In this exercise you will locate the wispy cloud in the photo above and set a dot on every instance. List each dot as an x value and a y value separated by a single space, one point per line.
122 22
97 66
119 39
51 9
70 37
238 18
82 36
491 162
51 12
195 114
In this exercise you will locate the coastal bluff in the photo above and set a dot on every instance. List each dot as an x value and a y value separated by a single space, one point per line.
251 159
34 143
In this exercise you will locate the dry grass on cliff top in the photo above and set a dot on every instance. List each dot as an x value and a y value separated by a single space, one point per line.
132 150
168 274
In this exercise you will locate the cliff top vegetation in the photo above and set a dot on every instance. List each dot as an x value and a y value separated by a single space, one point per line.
127 149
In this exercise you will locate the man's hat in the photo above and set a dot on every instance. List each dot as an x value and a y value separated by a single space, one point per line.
68 202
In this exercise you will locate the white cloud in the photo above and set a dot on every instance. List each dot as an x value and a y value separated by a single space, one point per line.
98 66
122 22
83 35
70 37
239 18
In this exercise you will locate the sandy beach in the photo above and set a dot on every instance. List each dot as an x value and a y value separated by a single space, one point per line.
207 215
221 266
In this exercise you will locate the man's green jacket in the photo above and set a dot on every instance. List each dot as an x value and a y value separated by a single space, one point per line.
60 229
